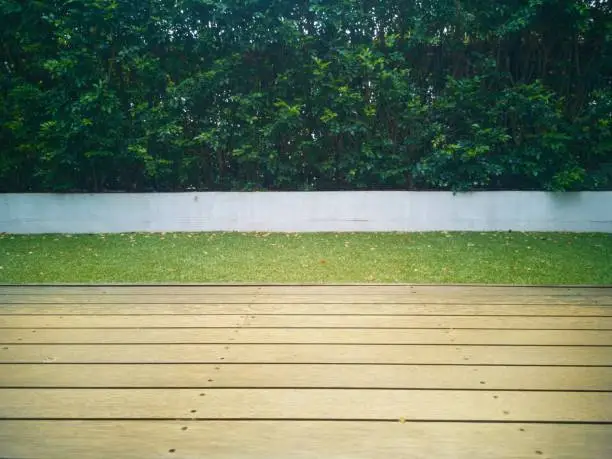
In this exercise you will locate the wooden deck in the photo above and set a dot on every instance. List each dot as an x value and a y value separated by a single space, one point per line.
282 372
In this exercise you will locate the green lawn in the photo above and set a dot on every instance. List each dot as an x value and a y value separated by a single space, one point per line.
519 258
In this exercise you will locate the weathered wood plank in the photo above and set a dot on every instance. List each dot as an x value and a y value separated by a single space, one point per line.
355 298
322 376
308 335
307 353
375 404
301 440
305 309
286 321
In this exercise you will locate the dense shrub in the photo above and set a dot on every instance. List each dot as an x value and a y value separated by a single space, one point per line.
135 95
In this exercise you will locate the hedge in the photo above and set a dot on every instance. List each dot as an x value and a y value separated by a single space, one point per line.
169 95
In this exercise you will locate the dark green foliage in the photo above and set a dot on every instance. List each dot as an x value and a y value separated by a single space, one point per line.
167 95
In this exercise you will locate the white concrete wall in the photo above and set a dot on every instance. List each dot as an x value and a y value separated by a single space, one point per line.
309 211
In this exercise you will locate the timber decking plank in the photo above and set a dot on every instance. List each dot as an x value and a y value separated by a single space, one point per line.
308 335
301 440
605 298
289 375
310 321
305 309
366 404
308 353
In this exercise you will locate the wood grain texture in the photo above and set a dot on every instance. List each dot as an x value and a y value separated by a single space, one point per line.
308 335
340 371
289 375
374 404
603 298
284 321
307 353
305 309
301 440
